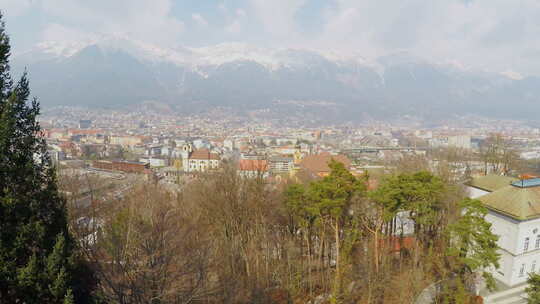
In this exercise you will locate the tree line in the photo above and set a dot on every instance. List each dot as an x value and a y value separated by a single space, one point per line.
227 239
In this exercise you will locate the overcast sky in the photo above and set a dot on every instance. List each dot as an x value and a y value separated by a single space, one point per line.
494 35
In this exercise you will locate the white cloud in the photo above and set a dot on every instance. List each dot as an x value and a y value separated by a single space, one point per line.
486 34
512 75
199 20
14 8
497 35
141 19
277 16
234 28
222 7
240 12
236 24
58 32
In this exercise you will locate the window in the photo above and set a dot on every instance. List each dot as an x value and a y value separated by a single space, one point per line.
537 245
526 245
522 270
533 266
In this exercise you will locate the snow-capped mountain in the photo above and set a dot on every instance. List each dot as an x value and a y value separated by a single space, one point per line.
119 71
188 56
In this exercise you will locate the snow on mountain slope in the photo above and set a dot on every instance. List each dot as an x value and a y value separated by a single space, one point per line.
215 55
121 71
50 50
60 49
198 58
231 52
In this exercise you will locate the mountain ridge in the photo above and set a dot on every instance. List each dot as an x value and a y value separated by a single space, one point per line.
124 72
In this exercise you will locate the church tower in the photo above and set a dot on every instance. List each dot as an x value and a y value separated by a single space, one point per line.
187 149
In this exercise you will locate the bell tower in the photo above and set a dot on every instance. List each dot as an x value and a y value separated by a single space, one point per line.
187 149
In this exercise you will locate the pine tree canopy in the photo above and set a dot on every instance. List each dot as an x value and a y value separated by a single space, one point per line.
35 247
533 290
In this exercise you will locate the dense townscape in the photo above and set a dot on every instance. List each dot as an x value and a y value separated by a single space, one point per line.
155 203
170 144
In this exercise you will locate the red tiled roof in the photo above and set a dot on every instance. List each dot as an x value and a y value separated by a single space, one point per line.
260 165
319 163
204 154
84 132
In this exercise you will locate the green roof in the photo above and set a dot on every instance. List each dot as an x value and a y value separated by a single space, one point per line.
491 182
516 202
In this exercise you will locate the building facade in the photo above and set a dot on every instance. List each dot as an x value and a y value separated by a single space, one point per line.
253 168
200 160
124 166
514 212
280 164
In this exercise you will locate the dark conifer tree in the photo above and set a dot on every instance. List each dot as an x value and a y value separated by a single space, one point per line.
36 251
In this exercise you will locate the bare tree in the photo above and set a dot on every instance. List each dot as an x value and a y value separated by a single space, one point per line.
150 250
498 155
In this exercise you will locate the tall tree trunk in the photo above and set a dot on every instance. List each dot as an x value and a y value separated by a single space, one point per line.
337 282
376 249
321 258
310 284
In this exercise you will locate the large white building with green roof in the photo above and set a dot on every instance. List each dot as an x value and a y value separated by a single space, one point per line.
482 185
514 211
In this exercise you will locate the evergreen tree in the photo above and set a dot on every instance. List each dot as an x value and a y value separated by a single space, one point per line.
332 198
36 251
472 246
533 291
419 194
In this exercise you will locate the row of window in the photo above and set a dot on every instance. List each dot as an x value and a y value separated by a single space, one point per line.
203 161
522 269
536 245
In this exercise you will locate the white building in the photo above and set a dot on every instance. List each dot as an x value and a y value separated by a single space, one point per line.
228 144
166 151
201 144
277 164
483 185
514 212
460 141
200 160
535 154
155 161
